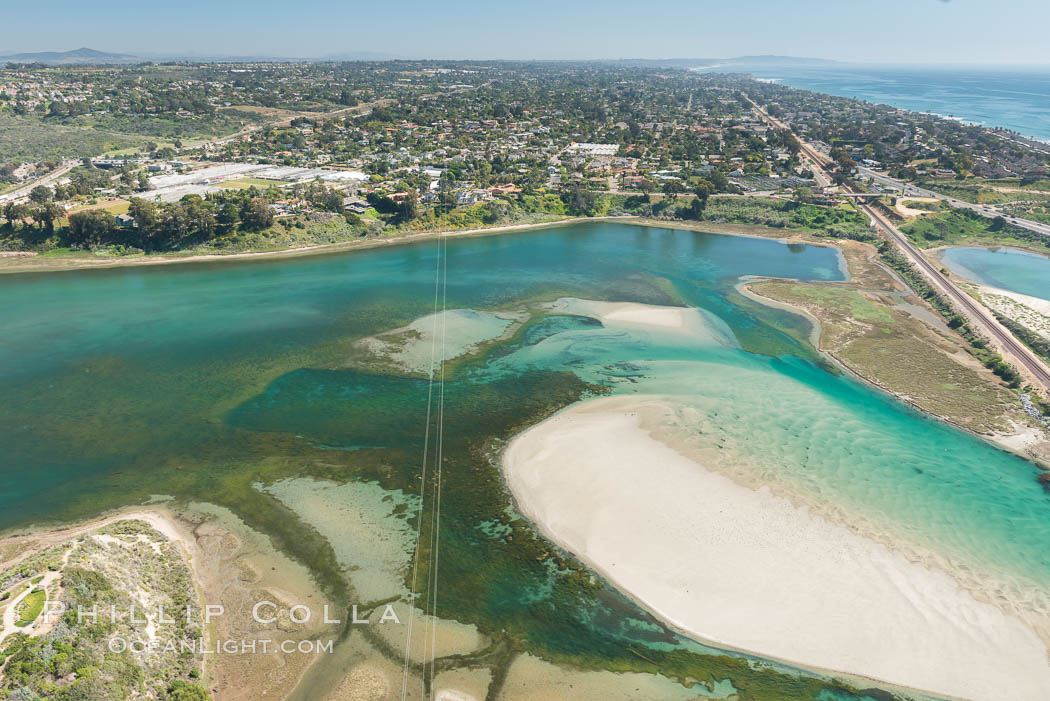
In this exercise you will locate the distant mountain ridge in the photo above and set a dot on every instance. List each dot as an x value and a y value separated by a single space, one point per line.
81 55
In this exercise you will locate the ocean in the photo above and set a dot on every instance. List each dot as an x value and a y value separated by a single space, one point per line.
1016 98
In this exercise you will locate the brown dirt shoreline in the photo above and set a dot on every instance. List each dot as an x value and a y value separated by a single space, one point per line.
27 262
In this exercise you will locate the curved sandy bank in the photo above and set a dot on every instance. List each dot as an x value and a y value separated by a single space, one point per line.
695 324
749 570
1031 312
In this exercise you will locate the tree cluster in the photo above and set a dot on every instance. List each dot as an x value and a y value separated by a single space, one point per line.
173 225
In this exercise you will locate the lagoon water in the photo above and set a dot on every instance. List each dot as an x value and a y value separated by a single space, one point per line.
200 380
1005 268
1014 98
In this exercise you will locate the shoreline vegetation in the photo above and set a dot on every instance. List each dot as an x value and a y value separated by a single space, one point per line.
16 262
873 325
1026 316
1025 441
28 261
227 564
298 236
232 565
863 272
861 266
142 558
878 330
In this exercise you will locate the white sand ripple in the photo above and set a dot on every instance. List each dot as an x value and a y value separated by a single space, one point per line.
749 570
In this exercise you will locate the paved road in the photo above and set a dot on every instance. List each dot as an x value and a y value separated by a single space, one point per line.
23 191
990 212
981 318
991 327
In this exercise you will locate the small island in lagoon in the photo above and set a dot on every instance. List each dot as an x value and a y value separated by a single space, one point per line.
316 459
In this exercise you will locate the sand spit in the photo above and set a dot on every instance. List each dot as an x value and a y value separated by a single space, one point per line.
749 570
698 325
433 338
1031 312
232 566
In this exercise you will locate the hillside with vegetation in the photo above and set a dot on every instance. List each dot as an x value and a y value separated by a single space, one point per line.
65 651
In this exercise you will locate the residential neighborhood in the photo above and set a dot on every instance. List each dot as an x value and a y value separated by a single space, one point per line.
444 145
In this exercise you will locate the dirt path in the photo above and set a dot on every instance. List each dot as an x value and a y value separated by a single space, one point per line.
9 627
285 120
160 519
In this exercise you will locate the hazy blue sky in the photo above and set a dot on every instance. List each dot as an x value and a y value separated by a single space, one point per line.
870 30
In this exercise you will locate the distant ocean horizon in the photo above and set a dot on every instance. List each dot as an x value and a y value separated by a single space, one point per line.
1015 98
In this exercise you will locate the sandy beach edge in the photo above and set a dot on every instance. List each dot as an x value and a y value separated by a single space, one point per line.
1016 443
615 445
54 265
162 519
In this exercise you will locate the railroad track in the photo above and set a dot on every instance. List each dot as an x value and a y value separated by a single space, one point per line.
1021 353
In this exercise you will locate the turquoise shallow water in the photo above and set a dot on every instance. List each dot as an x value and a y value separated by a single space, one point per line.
1005 268
198 380
856 453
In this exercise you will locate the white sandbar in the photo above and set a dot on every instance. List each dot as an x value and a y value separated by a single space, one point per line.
749 570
